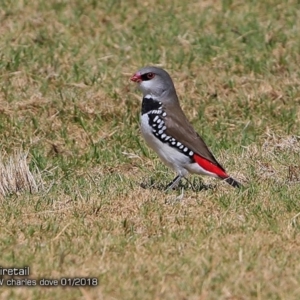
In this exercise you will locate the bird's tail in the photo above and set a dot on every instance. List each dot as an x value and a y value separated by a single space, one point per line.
233 182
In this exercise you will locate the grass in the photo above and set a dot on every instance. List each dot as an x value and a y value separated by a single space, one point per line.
66 100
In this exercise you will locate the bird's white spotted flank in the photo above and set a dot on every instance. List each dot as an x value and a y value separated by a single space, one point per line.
158 127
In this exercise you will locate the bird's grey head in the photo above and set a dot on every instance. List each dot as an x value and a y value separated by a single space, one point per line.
155 82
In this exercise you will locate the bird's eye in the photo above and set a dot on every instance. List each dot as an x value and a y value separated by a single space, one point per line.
150 75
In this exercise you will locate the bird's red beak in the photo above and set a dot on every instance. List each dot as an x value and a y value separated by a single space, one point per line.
136 77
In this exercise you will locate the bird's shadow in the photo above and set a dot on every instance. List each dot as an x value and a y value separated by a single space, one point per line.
195 185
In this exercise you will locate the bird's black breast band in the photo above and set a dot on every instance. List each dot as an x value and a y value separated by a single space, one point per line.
149 104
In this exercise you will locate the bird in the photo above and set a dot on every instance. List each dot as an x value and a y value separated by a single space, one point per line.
168 132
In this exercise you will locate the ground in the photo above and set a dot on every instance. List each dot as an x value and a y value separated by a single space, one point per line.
66 101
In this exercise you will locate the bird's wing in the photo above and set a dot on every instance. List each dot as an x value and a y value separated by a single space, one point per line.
181 130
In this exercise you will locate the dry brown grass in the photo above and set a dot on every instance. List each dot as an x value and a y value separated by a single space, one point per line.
16 177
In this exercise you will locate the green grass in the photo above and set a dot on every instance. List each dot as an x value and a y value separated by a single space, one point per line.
66 97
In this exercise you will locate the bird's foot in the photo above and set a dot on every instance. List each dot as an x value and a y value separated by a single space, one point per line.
174 184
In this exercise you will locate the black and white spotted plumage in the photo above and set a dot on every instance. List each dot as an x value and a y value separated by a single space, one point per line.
167 131
156 121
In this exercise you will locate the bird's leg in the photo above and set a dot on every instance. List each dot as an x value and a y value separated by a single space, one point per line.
174 183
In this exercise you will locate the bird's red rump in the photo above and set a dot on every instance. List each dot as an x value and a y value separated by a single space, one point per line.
209 166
